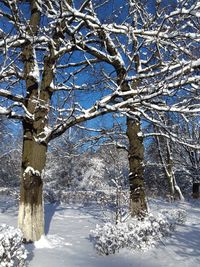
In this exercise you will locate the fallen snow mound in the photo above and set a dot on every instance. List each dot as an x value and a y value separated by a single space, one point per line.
51 241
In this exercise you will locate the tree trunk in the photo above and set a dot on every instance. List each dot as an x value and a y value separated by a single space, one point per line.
31 219
138 204
31 216
38 86
195 190
174 189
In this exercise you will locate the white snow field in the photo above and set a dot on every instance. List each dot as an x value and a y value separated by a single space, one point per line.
67 242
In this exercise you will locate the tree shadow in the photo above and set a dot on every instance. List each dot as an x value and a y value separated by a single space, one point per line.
187 242
30 248
49 211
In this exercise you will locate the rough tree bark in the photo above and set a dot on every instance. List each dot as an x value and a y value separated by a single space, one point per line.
37 103
31 216
138 205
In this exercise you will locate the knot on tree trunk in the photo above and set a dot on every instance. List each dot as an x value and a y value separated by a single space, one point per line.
32 178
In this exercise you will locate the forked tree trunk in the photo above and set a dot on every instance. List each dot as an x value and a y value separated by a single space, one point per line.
138 204
174 189
38 86
31 215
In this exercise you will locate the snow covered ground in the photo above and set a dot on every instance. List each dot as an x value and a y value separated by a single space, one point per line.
67 242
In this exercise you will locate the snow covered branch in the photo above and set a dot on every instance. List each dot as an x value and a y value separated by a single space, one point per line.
146 64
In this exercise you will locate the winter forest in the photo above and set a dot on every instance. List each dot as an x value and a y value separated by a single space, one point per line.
99 133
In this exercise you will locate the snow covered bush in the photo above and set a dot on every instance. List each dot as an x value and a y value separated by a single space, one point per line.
134 234
175 216
12 251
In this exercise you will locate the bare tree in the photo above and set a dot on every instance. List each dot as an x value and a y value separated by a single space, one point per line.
194 159
189 158
168 165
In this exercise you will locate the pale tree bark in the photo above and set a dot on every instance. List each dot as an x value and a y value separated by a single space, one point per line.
37 103
31 216
174 189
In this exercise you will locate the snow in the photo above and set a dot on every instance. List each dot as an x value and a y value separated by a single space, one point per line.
43 243
3 111
30 171
35 73
67 243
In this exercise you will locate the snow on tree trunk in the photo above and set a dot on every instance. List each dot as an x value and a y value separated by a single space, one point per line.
31 215
174 189
31 221
31 218
138 205
178 191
